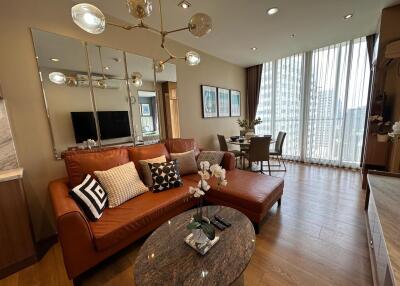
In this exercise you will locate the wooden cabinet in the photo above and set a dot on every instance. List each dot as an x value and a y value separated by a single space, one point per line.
16 242
382 192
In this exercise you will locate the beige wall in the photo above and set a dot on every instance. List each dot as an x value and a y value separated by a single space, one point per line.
21 88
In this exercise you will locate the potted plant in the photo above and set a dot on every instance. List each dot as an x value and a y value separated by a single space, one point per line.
248 126
200 225
383 131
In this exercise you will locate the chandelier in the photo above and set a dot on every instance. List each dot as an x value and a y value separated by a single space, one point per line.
92 20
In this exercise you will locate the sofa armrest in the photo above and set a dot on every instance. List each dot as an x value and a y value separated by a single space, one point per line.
228 161
74 232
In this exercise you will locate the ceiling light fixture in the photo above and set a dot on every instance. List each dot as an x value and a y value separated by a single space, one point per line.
92 20
137 79
55 60
184 4
293 36
107 67
57 77
272 11
348 16
254 48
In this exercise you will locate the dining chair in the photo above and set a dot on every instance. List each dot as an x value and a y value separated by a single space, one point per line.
223 146
259 152
277 152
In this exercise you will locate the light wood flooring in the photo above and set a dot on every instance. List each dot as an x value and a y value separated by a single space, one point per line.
317 237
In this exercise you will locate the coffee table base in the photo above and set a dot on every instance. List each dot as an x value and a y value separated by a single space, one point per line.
239 281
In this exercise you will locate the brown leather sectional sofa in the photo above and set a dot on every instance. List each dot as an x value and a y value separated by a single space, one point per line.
85 243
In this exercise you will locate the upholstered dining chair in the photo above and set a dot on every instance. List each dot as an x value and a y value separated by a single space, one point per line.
259 152
223 146
277 152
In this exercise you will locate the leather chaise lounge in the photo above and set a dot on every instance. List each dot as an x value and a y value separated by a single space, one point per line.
85 243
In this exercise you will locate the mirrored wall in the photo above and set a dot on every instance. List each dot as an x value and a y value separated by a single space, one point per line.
97 96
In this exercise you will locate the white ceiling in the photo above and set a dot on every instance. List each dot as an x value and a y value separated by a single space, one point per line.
239 25
72 57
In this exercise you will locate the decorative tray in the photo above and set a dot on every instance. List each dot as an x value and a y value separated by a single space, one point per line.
203 249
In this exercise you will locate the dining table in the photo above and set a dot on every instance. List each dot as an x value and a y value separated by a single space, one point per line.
244 145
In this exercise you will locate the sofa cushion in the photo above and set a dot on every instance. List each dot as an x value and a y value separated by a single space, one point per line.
212 157
121 183
146 152
81 163
165 176
119 223
90 197
251 191
144 164
182 145
186 162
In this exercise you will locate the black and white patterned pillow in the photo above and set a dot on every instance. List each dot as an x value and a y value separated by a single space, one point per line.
165 176
91 197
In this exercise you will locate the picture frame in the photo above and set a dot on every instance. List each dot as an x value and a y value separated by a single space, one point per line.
145 109
224 100
209 101
235 103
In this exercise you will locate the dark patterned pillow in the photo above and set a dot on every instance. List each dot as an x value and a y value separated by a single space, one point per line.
91 197
165 176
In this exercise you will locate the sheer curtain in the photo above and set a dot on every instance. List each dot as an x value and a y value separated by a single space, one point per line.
280 101
319 99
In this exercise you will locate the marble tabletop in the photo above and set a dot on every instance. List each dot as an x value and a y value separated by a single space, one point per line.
386 193
165 259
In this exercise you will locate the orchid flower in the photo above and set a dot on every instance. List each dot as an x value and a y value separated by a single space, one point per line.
204 165
203 185
196 192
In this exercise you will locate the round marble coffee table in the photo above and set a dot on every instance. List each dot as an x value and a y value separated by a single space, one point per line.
165 259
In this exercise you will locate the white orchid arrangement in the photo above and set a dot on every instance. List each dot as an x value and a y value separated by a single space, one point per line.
206 172
396 129
216 171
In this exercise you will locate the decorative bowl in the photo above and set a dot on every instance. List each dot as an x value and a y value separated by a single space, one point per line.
234 138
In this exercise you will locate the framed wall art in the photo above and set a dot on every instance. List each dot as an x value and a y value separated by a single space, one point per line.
235 103
209 101
223 102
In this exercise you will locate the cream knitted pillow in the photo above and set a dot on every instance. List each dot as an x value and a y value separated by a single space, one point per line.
121 183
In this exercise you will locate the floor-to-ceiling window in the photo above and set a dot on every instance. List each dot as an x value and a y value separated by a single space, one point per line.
319 99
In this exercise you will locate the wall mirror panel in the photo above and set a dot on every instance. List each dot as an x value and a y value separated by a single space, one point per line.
62 64
111 95
99 93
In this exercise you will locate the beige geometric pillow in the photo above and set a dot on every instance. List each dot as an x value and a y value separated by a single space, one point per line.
147 178
121 183
186 162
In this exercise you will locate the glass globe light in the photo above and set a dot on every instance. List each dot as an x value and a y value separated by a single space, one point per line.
89 18
200 24
137 79
57 77
192 58
159 66
140 8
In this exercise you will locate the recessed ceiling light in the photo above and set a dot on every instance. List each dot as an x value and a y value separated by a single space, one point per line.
55 60
348 16
107 67
254 48
184 4
272 11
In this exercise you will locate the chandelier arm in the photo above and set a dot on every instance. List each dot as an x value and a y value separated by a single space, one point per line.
125 27
161 16
177 30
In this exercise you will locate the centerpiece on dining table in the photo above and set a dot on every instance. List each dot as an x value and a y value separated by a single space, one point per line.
202 236
248 126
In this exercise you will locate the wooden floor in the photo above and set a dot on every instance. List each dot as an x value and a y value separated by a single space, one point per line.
317 237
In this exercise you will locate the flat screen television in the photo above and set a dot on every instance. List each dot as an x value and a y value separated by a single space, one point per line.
113 124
